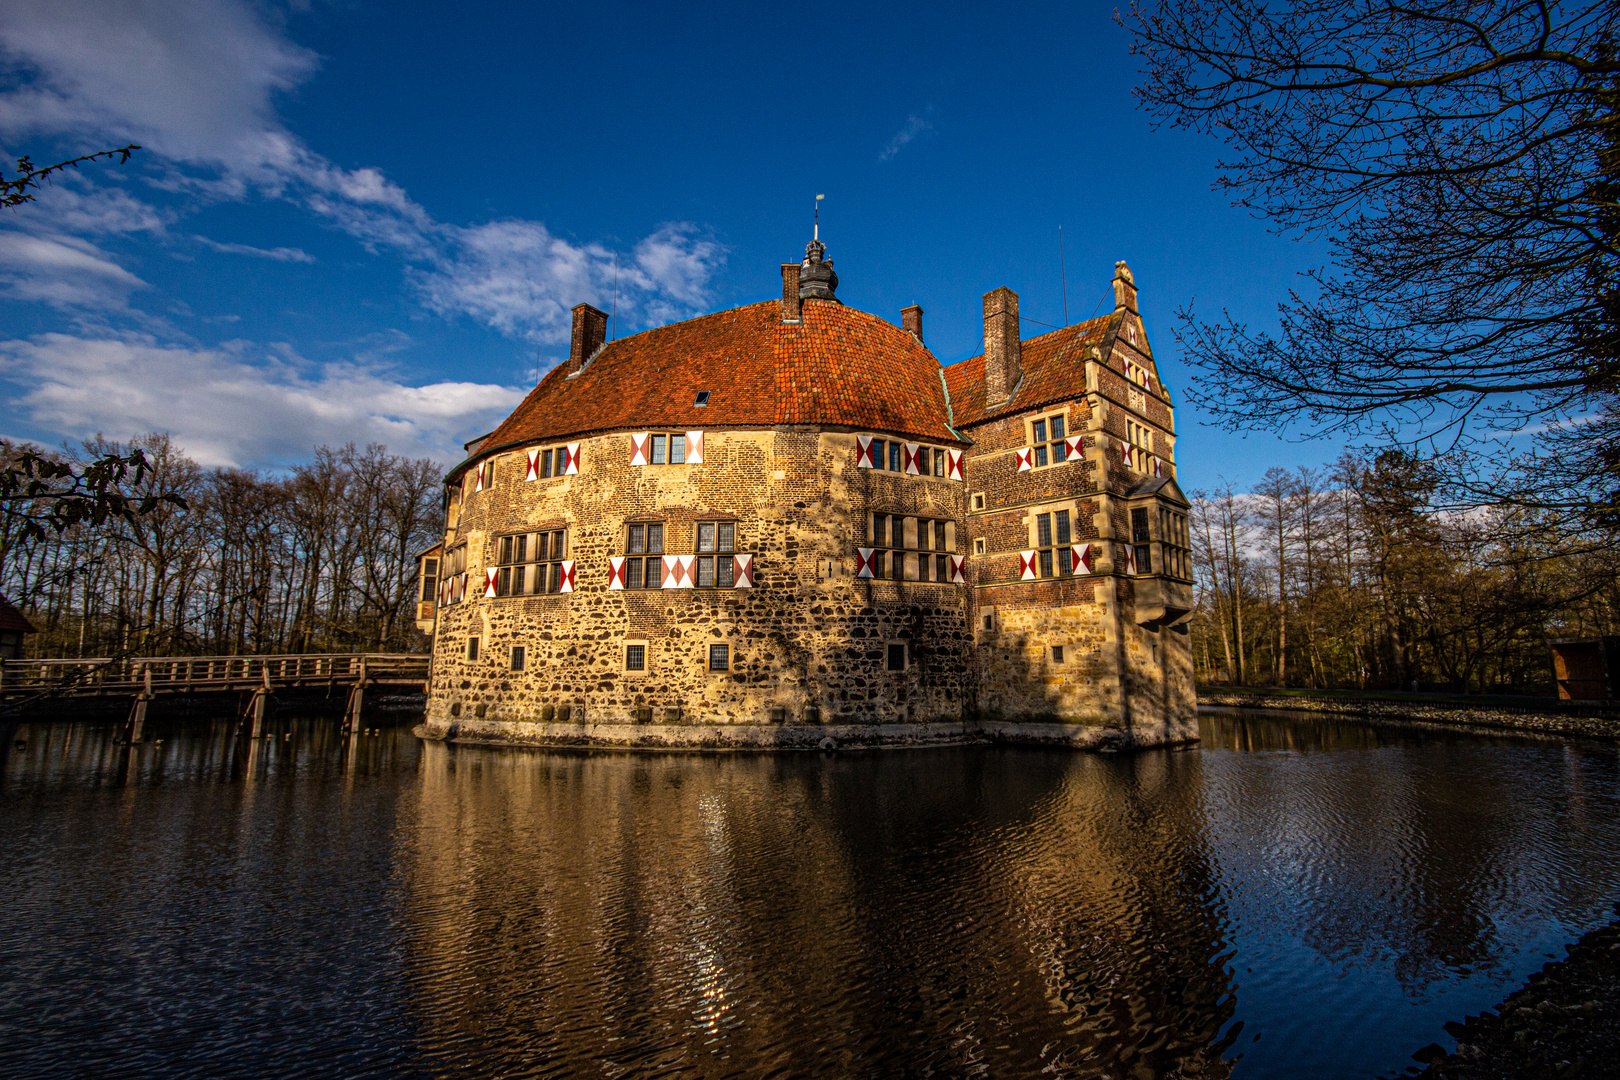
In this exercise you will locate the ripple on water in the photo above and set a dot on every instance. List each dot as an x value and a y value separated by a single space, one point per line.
214 907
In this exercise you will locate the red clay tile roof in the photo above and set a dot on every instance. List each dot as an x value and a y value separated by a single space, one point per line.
12 620
840 367
1054 370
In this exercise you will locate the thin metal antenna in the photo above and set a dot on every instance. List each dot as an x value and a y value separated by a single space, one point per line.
1063 276
816 233
614 333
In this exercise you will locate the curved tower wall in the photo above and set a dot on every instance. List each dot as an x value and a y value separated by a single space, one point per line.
809 640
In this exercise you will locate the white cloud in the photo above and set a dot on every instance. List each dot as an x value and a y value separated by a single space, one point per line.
195 81
915 126
96 211
228 407
62 271
280 254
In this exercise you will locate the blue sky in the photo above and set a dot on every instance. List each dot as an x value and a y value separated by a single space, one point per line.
368 221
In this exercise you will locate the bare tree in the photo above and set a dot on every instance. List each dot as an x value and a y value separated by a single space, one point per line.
1458 158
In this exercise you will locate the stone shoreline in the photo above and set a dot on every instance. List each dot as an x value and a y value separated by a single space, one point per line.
1591 724
1563 1023
768 737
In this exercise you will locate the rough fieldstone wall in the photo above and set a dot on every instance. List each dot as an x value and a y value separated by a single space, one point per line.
808 636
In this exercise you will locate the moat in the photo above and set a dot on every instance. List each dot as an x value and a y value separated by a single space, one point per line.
1300 897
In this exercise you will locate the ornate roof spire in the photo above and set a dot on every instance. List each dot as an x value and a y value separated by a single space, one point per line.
817 281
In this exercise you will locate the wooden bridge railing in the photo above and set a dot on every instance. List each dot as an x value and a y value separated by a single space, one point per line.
178 674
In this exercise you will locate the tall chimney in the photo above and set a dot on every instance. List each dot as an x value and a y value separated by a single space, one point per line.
1124 288
590 330
911 319
1003 355
790 292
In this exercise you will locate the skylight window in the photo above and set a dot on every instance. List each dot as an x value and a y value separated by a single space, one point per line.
702 398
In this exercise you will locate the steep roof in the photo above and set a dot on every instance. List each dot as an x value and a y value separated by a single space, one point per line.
1054 370
12 620
838 367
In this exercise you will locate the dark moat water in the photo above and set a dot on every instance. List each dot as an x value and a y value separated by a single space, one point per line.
1308 899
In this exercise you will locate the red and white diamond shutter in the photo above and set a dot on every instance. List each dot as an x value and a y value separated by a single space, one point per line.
1085 557
864 457
1158 466
1127 559
958 569
1026 459
571 459
694 447
1026 565
953 464
490 574
615 573
678 571
863 562
744 576
532 471
567 576
1073 445
478 479
638 448
912 453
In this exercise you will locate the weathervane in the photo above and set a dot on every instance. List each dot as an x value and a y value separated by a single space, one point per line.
817 231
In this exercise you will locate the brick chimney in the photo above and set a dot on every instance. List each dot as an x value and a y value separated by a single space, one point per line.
1003 357
790 292
1124 288
590 330
911 319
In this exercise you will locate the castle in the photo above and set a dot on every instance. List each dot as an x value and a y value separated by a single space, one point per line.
787 523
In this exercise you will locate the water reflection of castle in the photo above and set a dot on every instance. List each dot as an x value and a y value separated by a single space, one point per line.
1011 912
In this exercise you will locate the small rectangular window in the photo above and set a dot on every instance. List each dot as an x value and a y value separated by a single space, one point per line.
1040 431
519 656
430 580
472 648
894 457
635 658
878 521
978 547
939 568
939 463
719 657
989 622
1062 526
545 463
1040 454
1139 525
702 398
728 537
1057 654
705 536
705 571
1057 427
677 449
939 536
978 502
897 656
660 449
1043 530
922 461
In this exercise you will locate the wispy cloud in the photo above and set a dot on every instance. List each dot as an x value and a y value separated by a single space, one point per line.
194 81
915 126
62 271
238 403
280 254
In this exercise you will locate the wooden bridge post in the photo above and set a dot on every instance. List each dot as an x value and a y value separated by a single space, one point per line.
137 716
357 697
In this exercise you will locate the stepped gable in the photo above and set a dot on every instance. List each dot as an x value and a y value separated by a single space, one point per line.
838 367
1054 370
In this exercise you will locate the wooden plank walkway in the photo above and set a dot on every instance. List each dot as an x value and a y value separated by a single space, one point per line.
102 677
146 677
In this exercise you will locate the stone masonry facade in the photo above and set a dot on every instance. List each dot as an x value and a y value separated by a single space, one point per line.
918 554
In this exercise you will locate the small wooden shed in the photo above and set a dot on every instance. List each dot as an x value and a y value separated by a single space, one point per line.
1587 668
13 626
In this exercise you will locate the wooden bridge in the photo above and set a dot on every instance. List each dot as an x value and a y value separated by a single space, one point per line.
145 677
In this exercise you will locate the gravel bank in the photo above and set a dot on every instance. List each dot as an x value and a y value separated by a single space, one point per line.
1565 1022
1584 723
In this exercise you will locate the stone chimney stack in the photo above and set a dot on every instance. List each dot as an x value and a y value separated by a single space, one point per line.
911 320
590 330
790 292
1124 288
1003 357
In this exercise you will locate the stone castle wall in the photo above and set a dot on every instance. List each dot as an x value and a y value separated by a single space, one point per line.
807 639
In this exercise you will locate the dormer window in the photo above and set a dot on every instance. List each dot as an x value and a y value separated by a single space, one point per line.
702 398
